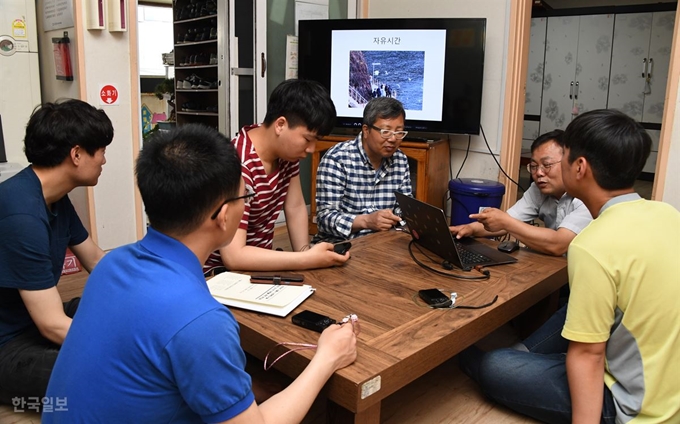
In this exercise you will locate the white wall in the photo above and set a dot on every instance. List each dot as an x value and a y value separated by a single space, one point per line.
53 89
479 163
106 59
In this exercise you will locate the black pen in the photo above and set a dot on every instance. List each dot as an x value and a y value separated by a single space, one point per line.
280 283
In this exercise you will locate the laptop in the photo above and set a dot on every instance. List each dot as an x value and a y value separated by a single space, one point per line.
429 228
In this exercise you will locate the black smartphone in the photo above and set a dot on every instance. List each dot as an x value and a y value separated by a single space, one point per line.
342 248
312 321
435 298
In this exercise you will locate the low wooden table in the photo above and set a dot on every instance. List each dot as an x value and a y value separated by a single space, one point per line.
400 339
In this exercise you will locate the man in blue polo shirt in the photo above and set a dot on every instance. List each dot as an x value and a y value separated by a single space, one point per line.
149 343
65 143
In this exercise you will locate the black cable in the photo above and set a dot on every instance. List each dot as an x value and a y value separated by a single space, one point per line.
496 160
486 305
467 151
446 274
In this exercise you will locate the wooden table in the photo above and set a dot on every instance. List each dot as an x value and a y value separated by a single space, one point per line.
400 340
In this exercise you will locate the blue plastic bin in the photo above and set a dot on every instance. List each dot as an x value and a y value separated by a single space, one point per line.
472 195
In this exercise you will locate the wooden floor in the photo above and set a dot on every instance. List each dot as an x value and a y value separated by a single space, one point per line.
444 395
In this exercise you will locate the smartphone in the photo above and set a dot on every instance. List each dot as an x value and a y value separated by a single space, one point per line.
435 298
342 248
312 321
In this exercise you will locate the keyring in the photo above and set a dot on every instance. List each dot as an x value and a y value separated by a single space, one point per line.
351 318
354 320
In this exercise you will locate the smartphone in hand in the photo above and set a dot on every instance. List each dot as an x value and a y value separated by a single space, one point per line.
342 247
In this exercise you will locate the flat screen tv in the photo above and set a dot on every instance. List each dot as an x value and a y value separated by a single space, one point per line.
434 67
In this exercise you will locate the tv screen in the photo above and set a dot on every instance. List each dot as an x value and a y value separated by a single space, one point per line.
434 67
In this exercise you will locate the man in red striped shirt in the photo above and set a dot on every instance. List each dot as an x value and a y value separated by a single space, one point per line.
298 114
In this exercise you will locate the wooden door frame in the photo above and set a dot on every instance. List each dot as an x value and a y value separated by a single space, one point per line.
515 93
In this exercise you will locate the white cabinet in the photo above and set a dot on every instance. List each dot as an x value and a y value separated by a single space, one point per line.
534 84
640 59
576 72
650 165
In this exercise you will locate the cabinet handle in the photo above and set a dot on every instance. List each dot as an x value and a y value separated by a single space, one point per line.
571 90
644 67
650 68
576 91
263 65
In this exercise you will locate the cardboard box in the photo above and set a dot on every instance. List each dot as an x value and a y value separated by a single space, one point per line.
71 263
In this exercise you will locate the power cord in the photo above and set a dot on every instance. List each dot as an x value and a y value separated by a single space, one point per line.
486 274
496 160
467 151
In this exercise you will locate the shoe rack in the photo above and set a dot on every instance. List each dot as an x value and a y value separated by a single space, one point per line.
197 71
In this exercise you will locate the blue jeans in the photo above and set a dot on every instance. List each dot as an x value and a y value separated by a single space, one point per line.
533 382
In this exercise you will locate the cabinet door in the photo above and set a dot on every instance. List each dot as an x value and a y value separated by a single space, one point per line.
593 62
659 56
529 134
247 82
629 56
560 69
650 165
534 84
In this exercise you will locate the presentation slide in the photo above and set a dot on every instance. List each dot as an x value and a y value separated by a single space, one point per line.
405 64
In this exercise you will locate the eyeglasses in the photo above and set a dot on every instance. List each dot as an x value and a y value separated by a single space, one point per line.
533 168
399 135
249 193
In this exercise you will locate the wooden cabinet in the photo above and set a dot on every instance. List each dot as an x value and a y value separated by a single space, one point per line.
428 163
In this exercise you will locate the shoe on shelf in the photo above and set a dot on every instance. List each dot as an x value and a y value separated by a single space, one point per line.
204 85
213 59
202 59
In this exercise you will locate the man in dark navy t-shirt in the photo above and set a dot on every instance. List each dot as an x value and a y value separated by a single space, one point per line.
65 143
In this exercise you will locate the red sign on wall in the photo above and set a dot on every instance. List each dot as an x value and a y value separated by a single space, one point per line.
108 95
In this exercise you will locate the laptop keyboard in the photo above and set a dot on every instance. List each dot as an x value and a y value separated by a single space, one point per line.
469 257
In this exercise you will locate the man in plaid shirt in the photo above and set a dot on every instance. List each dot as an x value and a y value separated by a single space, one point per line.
356 179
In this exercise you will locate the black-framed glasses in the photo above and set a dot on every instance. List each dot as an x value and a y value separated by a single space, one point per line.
545 167
399 135
249 193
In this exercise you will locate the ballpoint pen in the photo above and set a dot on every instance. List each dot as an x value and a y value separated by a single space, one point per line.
277 283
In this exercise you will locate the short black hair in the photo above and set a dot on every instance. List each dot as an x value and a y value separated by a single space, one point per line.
55 128
382 108
182 174
615 146
554 135
302 102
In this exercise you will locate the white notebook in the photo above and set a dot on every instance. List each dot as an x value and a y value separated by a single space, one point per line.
237 291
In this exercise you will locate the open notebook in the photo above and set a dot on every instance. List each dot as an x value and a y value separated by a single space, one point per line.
237 291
